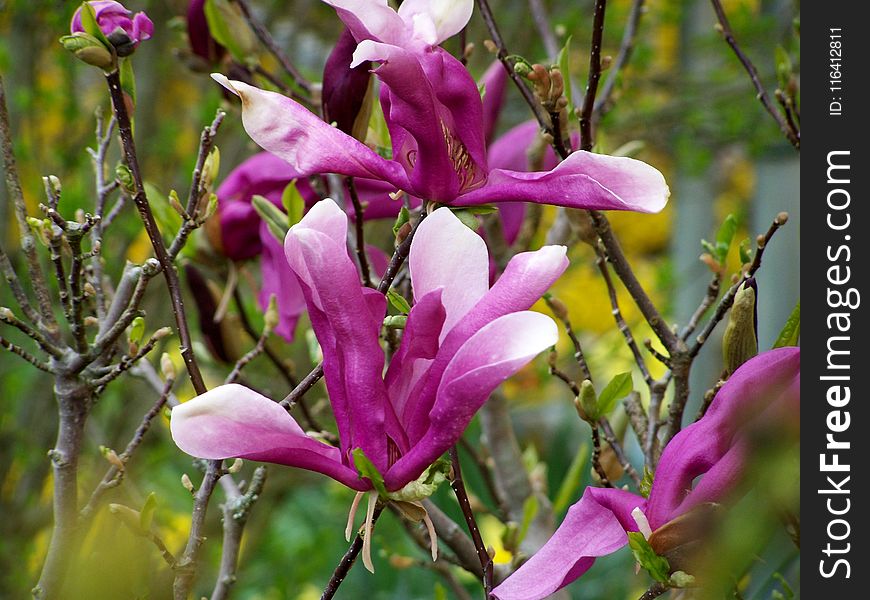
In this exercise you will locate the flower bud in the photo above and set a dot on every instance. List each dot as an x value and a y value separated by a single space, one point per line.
740 341
167 367
88 49
587 402
272 318
114 23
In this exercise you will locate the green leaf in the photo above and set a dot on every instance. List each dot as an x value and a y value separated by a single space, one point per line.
618 388
530 511
724 237
440 592
137 331
571 482
128 80
272 215
367 470
784 67
403 217
564 62
293 203
791 332
146 515
167 217
708 247
657 566
745 252
228 27
398 301
646 483
90 25
468 218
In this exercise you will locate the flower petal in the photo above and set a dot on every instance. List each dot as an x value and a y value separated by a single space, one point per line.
583 180
263 174
278 279
525 279
232 421
446 254
371 20
489 357
756 385
590 529
311 146
494 84
446 18
344 88
342 318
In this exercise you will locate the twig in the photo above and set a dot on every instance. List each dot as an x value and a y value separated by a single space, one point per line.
561 313
346 562
596 458
586 139
483 556
623 327
185 570
8 317
46 320
542 23
713 289
4 343
115 474
618 450
197 190
17 289
486 475
728 299
358 212
113 80
127 362
603 102
266 38
503 57
793 135
654 591
236 511
250 355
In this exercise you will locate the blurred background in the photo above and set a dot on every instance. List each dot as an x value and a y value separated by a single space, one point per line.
685 104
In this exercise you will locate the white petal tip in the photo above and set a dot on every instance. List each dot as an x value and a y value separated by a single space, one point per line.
226 82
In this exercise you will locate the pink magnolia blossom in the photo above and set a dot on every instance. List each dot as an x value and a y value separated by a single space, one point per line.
435 118
115 21
765 387
461 340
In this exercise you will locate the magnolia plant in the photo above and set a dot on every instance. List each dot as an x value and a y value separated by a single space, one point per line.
413 328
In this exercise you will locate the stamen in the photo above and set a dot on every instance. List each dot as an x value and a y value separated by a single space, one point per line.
433 537
367 533
352 515
642 522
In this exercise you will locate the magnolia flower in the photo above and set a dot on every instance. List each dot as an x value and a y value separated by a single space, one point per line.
115 22
202 44
461 340
435 119
764 388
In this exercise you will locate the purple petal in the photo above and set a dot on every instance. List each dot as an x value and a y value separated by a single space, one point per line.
418 349
231 421
447 254
201 41
143 27
343 320
435 117
583 180
489 357
494 82
310 145
527 276
278 279
590 529
762 381
344 88
263 174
